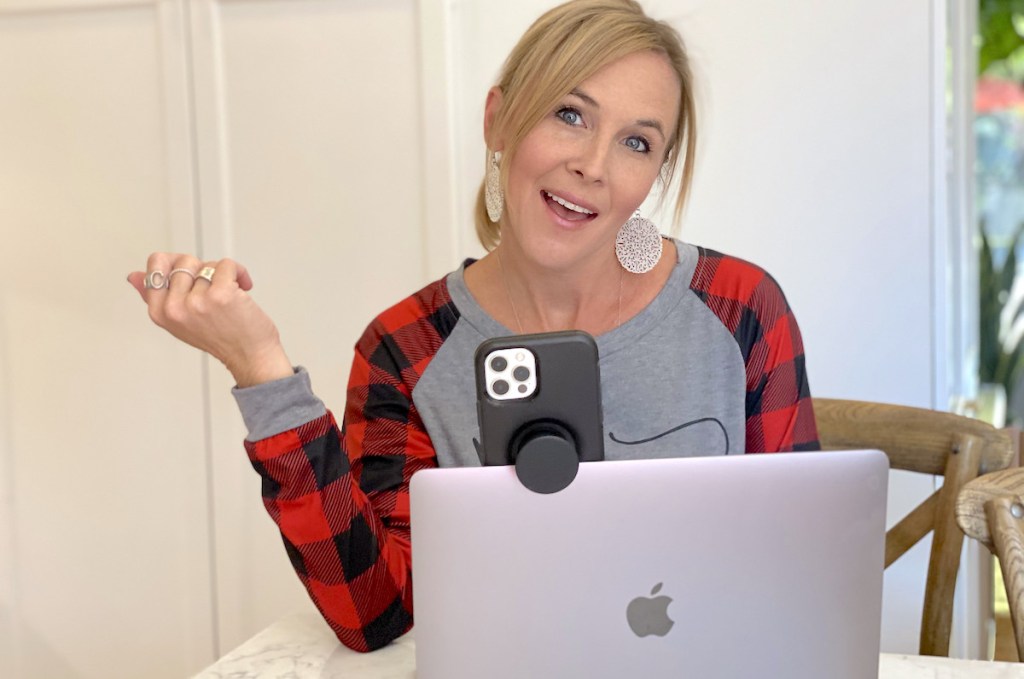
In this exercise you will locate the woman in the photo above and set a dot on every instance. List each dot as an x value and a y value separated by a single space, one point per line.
700 353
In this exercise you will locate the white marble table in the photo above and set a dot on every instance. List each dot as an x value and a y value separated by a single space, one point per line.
302 646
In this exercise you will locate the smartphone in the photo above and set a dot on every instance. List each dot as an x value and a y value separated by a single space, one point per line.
547 380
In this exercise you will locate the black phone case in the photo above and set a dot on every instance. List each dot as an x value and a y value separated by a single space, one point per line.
568 393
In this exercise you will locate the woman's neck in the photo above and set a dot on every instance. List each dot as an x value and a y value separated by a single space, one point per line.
587 297
595 296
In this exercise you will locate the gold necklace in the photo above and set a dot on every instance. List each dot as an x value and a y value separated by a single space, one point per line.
512 303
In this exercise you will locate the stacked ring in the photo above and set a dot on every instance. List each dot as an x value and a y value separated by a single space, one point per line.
207 273
171 275
154 280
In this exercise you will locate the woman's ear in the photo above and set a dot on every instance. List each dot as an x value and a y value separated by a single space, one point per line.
493 140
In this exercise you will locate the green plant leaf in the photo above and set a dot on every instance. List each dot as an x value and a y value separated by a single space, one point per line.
996 30
988 312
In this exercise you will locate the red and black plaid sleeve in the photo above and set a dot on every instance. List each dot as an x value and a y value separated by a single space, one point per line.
341 499
751 305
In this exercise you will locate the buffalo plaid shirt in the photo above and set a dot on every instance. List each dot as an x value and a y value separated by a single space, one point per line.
340 496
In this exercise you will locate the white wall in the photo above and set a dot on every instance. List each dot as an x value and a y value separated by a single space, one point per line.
816 161
105 504
307 114
818 167
133 542
335 147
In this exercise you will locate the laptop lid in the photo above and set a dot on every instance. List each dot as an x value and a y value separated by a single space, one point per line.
755 565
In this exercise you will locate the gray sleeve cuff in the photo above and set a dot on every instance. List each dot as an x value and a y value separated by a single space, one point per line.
273 407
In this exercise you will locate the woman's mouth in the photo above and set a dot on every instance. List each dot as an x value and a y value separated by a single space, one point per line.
566 209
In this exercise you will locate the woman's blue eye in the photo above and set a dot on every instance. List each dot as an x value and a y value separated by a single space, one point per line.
570 116
638 144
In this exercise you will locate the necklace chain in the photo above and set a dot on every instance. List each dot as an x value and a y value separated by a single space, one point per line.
512 303
508 291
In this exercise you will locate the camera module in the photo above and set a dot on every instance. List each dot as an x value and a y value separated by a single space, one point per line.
510 373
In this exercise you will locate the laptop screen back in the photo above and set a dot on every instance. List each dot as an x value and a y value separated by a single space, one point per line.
758 565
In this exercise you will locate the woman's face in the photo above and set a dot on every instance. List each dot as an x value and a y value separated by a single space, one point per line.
585 168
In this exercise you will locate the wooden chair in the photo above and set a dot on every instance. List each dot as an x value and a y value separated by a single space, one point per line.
990 509
928 442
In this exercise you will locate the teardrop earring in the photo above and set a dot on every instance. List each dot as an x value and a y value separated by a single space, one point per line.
494 197
638 244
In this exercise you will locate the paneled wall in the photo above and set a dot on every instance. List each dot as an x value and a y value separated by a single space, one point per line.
308 126
106 563
286 134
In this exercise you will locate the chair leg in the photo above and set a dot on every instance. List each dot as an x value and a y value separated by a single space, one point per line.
962 465
911 529
1006 526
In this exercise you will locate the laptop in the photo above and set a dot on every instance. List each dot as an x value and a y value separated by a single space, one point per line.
747 566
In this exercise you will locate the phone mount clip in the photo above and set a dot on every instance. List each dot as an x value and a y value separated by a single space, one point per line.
545 455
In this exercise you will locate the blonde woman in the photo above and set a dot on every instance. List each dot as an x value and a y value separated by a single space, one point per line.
700 354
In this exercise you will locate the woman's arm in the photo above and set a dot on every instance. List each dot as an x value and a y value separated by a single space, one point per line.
780 416
341 502
748 301
340 498
214 314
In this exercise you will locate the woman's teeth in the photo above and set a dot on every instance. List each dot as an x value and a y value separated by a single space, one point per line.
566 204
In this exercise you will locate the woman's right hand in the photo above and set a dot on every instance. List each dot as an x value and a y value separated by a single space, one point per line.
216 315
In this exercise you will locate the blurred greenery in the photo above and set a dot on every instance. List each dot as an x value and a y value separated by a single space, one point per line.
1000 53
1000 24
1000 315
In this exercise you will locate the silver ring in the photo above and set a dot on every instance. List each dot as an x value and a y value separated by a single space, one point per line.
171 275
154 280
207 273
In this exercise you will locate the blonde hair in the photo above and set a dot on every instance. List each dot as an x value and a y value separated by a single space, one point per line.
564 47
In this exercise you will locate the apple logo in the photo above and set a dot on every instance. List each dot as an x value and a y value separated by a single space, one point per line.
649 615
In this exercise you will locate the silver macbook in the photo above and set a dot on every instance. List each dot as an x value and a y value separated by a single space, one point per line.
747 566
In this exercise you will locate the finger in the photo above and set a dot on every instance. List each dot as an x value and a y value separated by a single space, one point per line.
154 282
157 268
243 276
227 273
182 276
204 277
155 297
135 279
159 261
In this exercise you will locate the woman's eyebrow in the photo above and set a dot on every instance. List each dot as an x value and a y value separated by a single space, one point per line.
653 124
589 100
643 122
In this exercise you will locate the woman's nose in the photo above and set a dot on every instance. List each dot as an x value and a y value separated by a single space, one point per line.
590 161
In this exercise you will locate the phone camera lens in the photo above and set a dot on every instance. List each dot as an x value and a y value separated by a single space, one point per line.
498 364
521 373
500 387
